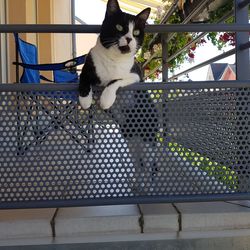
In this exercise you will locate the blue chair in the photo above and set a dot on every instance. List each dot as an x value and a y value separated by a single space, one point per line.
64 72
59 118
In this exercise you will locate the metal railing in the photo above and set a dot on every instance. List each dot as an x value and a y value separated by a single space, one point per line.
160 142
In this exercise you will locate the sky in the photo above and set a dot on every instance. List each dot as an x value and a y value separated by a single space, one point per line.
202 54
92 12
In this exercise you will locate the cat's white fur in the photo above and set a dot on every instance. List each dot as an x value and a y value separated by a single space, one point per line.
86 101
111 64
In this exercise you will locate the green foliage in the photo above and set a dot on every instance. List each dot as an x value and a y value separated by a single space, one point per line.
222 173
152 54
213 37
214 17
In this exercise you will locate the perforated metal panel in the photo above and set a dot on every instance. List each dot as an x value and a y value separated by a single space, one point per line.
158 144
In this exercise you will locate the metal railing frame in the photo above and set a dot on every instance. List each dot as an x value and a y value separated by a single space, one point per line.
242 58
241 27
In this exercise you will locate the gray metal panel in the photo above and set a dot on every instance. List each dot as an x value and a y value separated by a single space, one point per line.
157 145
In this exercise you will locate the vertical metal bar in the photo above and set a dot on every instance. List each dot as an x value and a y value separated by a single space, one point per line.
17 61
1 73
1 38
164 57
242 73
73 34
242 56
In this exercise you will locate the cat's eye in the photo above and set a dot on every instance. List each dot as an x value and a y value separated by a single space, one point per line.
136 32
119 27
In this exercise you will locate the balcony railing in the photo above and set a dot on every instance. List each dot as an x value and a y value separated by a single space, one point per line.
160 142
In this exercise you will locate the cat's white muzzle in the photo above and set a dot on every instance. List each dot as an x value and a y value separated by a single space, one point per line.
127 45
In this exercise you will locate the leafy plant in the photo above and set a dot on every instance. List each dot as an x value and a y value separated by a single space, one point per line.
150 54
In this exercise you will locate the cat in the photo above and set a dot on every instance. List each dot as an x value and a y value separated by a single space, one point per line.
110 63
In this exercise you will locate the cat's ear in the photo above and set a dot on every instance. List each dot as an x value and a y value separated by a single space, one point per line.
144 14
112 7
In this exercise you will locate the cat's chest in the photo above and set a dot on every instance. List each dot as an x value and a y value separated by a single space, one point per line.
109 68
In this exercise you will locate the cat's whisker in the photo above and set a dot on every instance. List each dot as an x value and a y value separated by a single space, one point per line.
108 41
109 44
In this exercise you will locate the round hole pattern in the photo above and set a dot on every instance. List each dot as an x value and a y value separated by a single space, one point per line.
154 143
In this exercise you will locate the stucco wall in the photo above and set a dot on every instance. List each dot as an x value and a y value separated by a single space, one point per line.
51 47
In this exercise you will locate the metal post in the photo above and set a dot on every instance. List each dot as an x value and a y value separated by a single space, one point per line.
164 57
242 56
242 73
17 61
73 34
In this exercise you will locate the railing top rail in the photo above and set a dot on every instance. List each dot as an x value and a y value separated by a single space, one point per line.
136 86
161 28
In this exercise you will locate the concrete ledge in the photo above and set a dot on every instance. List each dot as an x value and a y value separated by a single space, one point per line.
213 216
97 220
159 218
125 223
240 203
25 223
232 243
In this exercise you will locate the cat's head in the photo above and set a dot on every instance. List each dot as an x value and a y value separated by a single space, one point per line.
121 31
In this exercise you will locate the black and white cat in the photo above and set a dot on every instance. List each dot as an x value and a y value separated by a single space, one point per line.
111 62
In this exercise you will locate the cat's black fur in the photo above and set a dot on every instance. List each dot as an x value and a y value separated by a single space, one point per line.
111 62
143 136
109 31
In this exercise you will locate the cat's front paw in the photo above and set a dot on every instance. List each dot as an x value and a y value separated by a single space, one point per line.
107 98
86 101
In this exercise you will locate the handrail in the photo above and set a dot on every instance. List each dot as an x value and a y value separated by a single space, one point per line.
159 28
48 87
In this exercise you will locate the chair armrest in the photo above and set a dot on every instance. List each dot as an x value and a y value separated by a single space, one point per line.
55 66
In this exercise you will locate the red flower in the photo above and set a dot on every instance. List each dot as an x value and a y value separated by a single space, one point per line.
203 40
228 38
193 48
191 54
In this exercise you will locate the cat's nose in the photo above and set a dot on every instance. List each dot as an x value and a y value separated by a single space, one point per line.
128 39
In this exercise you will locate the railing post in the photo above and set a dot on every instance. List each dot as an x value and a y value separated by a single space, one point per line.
242 73
73 34
164 57
242 56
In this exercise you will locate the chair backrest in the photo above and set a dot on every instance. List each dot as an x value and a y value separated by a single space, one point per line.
61 76
31 69
28 54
